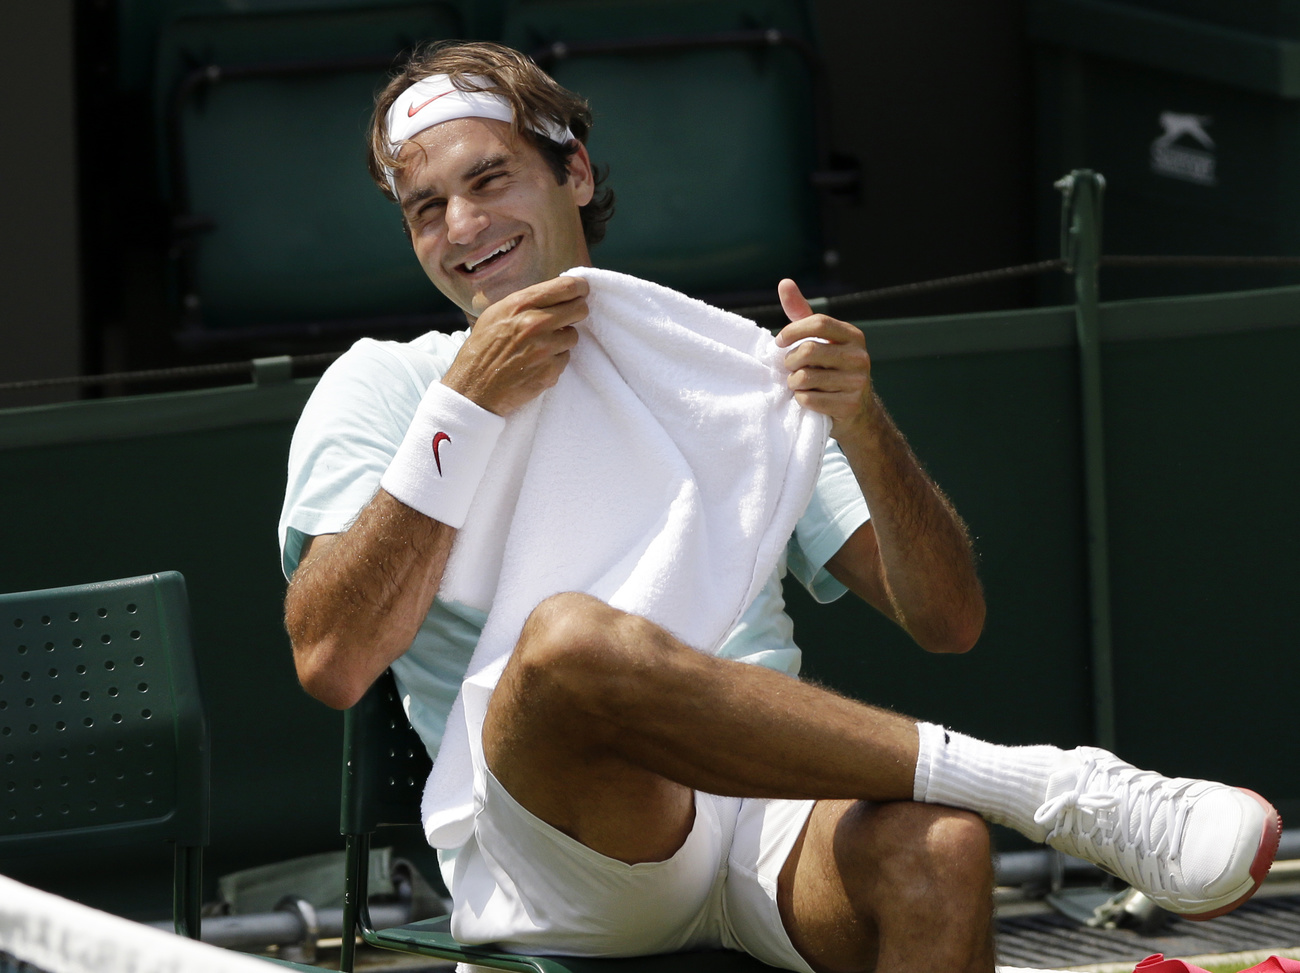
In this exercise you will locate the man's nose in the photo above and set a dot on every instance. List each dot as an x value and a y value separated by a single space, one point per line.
465 220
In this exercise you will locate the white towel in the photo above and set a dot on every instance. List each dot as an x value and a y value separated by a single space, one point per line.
664 474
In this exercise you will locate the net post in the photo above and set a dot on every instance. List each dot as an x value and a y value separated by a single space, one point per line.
1081 211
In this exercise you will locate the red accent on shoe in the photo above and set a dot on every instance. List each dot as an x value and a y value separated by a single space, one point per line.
1268 843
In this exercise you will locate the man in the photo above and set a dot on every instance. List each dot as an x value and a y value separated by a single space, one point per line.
845 837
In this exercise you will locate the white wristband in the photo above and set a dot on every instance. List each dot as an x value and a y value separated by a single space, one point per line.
441 461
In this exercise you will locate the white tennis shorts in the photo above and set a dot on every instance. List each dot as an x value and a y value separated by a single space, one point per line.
528 888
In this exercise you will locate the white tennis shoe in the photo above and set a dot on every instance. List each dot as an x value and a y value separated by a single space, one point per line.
1197 848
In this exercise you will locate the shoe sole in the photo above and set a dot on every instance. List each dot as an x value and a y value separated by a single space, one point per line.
1268 843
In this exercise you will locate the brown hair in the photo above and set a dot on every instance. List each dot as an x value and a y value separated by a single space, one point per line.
536 100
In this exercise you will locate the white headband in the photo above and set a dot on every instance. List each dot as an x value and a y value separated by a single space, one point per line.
434 100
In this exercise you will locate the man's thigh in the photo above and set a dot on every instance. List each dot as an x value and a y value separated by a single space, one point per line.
531 888
543 744
819 913
898 885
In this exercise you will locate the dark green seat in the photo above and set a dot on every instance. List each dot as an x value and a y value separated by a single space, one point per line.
102 727
139 22
709 120
384 769
278 227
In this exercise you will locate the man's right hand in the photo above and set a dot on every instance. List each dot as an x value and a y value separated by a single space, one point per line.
519 346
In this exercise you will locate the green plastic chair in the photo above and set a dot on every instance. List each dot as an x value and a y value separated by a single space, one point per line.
710 118
102 728
278 229
384 769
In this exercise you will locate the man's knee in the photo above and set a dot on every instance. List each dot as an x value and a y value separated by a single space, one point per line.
562 622
576 651
921 853
565 630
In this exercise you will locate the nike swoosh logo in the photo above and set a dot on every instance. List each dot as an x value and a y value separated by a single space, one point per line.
438 440
415 109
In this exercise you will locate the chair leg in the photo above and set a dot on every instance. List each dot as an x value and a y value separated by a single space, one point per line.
355 891
187 890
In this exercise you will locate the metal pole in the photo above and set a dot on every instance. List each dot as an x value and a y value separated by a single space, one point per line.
1081 249
355 893
257 931
187 890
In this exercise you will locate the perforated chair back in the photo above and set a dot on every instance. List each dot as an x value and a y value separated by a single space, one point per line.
103 735
385 763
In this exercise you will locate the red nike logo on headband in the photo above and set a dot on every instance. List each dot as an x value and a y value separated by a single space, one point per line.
438 440
414 109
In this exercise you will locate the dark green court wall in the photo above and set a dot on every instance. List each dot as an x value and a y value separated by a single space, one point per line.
999 435
1205 529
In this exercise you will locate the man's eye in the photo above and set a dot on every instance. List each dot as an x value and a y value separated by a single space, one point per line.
427 212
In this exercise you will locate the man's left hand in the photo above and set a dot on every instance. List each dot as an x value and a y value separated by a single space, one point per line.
832 374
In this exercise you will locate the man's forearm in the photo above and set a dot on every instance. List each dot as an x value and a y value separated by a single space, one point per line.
359 597
924 548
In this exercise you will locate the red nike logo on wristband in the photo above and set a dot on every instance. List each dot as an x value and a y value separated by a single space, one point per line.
438 440
413 110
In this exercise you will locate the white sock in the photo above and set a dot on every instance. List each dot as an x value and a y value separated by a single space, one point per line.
1005 785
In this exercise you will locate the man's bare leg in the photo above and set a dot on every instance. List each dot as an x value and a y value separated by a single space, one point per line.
890 887
609 701
603 725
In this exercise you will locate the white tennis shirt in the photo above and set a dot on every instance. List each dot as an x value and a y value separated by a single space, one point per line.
348 434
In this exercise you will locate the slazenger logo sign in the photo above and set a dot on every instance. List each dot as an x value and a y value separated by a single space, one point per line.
1185 150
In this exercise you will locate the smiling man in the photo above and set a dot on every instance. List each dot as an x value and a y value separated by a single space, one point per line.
486 216
632 794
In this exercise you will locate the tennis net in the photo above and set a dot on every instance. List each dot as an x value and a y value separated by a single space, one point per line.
42 933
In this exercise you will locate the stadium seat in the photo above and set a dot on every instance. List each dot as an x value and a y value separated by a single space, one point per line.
384 769
102 727
139 23
709 119
278 228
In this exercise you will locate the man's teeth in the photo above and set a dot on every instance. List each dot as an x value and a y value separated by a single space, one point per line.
504 248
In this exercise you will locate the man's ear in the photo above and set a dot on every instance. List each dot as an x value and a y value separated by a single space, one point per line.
581 177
